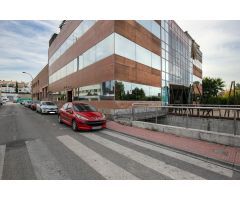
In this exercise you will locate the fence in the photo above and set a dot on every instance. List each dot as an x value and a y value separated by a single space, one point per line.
210 118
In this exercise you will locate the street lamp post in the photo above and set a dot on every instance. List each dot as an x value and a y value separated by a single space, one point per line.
31 82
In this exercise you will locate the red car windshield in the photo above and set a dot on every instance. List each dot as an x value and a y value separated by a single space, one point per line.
83 108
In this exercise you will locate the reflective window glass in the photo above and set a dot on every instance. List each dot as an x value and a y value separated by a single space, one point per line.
75 65
164 75
155 29
145 23
167 67
124 47
80 60
105 48
108 88
163 65
78 32
89 56
154 91
143 55
156 61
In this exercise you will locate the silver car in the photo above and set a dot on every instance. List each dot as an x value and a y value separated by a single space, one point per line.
47 107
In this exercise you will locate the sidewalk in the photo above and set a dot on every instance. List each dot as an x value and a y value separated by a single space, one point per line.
217 152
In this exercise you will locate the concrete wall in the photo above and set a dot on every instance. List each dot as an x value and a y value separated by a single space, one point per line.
210 136
208 124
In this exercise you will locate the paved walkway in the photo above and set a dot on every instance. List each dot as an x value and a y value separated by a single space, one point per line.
226 154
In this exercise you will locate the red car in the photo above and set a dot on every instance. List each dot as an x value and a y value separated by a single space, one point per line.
81 116
34 104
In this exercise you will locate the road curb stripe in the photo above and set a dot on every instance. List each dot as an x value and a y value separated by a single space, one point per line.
103 166
157 165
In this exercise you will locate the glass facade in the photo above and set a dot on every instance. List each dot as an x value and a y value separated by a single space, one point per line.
128 49
114 43
133 91
68 69
175 63
118 90
101 50
151 26
83 27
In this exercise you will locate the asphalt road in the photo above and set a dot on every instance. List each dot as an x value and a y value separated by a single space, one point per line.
35 146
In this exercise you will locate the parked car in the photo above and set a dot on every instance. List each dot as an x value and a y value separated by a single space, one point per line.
23 102
81 116
28 103
34 104
47 107
5 99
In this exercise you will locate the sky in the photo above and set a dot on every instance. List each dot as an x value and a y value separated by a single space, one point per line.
24 47
219 42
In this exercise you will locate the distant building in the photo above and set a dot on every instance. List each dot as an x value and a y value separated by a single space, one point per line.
10 87
40 85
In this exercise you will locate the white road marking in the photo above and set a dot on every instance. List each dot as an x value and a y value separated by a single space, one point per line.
188 159
45 166
2 155
103 166
157 165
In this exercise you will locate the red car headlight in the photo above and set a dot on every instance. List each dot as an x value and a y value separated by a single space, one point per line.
81 117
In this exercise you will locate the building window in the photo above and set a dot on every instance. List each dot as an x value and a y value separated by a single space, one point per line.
108 88
124 47
156 61
89 56
105 48
134 91
143 55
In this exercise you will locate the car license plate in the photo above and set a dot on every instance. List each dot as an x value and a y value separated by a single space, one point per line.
96 127
51 112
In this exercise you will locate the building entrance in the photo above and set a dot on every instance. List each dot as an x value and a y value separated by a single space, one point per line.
69 96
179 94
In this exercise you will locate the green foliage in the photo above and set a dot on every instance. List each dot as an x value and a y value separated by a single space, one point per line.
137 94
119 90
223 100
211 88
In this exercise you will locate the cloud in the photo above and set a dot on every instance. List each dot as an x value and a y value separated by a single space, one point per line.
24 47
220 43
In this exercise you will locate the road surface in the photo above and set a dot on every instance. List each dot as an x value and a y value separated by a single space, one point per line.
35 146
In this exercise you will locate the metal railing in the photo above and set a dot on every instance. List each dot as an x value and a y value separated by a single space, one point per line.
220 116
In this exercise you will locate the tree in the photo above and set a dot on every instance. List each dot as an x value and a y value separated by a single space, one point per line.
212 86
119 90
16 88
138 94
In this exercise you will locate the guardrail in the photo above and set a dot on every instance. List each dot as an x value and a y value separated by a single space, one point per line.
210 112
